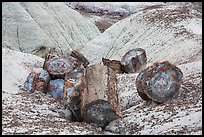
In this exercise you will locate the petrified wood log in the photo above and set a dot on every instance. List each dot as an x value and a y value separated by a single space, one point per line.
159 82
100 84
133 60
73 85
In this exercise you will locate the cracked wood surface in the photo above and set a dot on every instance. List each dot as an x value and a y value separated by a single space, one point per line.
100 83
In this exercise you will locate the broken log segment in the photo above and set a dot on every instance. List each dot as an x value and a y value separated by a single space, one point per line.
100 84
159 82
134 60
73 85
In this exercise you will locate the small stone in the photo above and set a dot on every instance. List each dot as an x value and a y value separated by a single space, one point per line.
44 76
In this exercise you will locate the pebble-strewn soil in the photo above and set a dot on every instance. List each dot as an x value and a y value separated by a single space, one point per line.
38 113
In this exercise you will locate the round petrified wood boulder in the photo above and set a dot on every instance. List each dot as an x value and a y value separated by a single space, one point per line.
57 67
159 82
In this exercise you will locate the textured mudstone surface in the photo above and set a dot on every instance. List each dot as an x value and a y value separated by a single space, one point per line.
162 31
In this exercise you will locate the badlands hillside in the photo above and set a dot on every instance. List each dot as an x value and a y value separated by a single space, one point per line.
36 27
166 31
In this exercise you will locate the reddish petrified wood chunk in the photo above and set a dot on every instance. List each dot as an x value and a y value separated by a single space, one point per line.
57 67
42 81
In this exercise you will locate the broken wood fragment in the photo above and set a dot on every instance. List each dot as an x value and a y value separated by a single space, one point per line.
80 58
113 64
